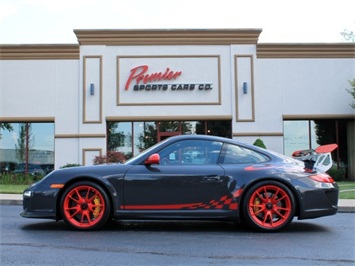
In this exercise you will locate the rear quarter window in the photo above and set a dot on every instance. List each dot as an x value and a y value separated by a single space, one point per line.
234 154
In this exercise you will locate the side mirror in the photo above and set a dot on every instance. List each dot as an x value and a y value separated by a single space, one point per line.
153 159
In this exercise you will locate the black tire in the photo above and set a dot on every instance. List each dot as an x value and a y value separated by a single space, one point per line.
268 206
85 206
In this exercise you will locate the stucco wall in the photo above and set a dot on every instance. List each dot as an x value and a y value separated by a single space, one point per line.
54 90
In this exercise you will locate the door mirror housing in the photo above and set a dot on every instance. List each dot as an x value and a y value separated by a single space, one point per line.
153 159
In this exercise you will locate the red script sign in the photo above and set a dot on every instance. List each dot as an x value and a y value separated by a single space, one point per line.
139 75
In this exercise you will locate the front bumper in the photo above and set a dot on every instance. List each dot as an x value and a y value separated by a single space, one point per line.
40 204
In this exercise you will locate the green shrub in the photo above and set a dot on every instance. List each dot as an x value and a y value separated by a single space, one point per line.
259 143
19 179
70 165
337 174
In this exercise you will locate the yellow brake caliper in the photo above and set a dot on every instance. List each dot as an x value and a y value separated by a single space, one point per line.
257 205
98 207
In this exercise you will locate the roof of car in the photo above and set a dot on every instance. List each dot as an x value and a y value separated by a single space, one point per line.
206 137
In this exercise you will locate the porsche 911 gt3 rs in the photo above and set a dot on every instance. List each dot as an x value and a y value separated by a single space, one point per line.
186 177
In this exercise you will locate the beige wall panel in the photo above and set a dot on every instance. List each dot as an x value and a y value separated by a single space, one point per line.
89 155
244 88
92 89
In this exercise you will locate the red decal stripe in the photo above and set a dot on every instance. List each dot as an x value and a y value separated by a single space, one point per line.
237 193
234 206
160 207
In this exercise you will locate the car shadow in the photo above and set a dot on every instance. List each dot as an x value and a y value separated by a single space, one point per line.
175 226
302 227
49 225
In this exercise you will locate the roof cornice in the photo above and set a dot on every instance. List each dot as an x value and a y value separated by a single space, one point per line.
168 37
39 51
313 50
175 37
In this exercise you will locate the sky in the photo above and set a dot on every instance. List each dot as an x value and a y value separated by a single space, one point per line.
281 21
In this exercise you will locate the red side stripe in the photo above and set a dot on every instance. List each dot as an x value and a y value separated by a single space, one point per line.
160 207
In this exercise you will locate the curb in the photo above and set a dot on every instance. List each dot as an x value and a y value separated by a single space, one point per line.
10 199
345 209
10 202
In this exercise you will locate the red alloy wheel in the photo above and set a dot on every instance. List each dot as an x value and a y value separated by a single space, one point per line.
269 206
85 206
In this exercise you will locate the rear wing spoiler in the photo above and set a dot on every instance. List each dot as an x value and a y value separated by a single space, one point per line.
319 160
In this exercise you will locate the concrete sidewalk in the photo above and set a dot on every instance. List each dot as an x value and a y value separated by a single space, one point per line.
344 205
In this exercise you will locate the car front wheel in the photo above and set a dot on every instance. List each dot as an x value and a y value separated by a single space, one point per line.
85 206
268 206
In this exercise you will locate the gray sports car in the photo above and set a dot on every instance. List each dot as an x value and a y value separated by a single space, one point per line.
187 177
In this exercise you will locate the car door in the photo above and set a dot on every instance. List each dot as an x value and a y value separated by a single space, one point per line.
187 178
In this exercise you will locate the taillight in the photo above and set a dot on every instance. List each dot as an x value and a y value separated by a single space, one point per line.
324 178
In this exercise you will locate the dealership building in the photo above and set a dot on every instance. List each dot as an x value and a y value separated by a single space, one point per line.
124 90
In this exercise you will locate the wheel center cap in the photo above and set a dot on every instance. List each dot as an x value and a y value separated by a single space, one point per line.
84 206
269 205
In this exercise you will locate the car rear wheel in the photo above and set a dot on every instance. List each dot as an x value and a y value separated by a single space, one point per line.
268 206
85 206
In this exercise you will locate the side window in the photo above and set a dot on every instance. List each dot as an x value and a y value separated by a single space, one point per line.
234 154
191 152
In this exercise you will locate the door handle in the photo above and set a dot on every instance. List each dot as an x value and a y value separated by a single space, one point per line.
212 178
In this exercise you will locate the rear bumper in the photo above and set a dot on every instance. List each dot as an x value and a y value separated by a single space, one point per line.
318 203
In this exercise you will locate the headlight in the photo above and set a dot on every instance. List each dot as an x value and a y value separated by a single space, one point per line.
27 194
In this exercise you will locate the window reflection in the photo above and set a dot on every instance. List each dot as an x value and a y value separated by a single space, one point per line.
299 135
138 131
28 142
309 134
120 137
131 138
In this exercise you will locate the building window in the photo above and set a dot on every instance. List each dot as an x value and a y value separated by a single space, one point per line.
120 137
299 135
31 143
309 134
131 138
